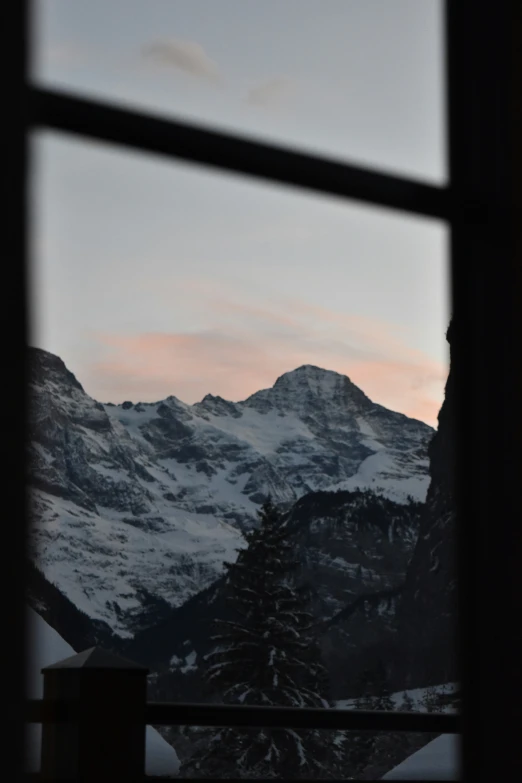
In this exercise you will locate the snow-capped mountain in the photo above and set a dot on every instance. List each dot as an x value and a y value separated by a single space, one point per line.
136 506
314 429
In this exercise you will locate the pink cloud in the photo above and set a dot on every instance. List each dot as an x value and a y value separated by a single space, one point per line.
152 366
251 345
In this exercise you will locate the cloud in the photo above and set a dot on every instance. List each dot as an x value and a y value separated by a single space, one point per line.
186 56
249 346
269 93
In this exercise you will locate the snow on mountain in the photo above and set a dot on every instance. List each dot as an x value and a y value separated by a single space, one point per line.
46 648
109 565
136 506
314 429
105 527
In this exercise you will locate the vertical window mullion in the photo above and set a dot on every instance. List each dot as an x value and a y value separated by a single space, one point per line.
483 136
14 315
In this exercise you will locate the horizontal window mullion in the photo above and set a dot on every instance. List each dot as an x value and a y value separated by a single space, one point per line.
179 140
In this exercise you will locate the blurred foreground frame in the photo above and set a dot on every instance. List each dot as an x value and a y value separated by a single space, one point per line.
483 206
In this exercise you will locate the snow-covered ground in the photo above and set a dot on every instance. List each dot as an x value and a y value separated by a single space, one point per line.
46 648
417 696
438 760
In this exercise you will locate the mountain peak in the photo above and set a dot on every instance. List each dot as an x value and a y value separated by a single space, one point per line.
311 369
312 375
309 386
46 366
217 405
319 382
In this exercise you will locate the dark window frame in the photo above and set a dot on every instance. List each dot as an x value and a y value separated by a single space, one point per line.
483 207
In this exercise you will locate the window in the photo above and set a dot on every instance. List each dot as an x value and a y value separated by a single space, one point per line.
482 211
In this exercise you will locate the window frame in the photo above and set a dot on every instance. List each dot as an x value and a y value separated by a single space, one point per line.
482 205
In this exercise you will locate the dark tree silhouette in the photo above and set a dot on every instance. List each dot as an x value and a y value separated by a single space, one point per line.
266 655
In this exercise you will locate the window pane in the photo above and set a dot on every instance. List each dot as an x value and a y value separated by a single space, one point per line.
356 80
232 342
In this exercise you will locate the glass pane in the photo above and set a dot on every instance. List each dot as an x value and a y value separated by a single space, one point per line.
361 81
203 344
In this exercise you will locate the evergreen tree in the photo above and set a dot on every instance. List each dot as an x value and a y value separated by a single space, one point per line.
407 703
362 743
371 748
383 699
431 701
267 656
387 742
456 701
447 698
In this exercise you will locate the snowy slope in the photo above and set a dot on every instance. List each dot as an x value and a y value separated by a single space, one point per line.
438 760
137 506
110 565
46 648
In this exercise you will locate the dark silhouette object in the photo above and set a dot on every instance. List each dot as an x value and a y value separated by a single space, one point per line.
107 741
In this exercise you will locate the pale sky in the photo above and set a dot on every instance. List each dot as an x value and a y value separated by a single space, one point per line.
154 278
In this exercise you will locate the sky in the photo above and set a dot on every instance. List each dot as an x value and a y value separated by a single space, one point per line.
153 277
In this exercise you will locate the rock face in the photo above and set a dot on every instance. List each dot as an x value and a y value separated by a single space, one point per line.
411 628
352 544
136 506
426 617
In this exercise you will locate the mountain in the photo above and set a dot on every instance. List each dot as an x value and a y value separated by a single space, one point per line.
314 429
136 506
